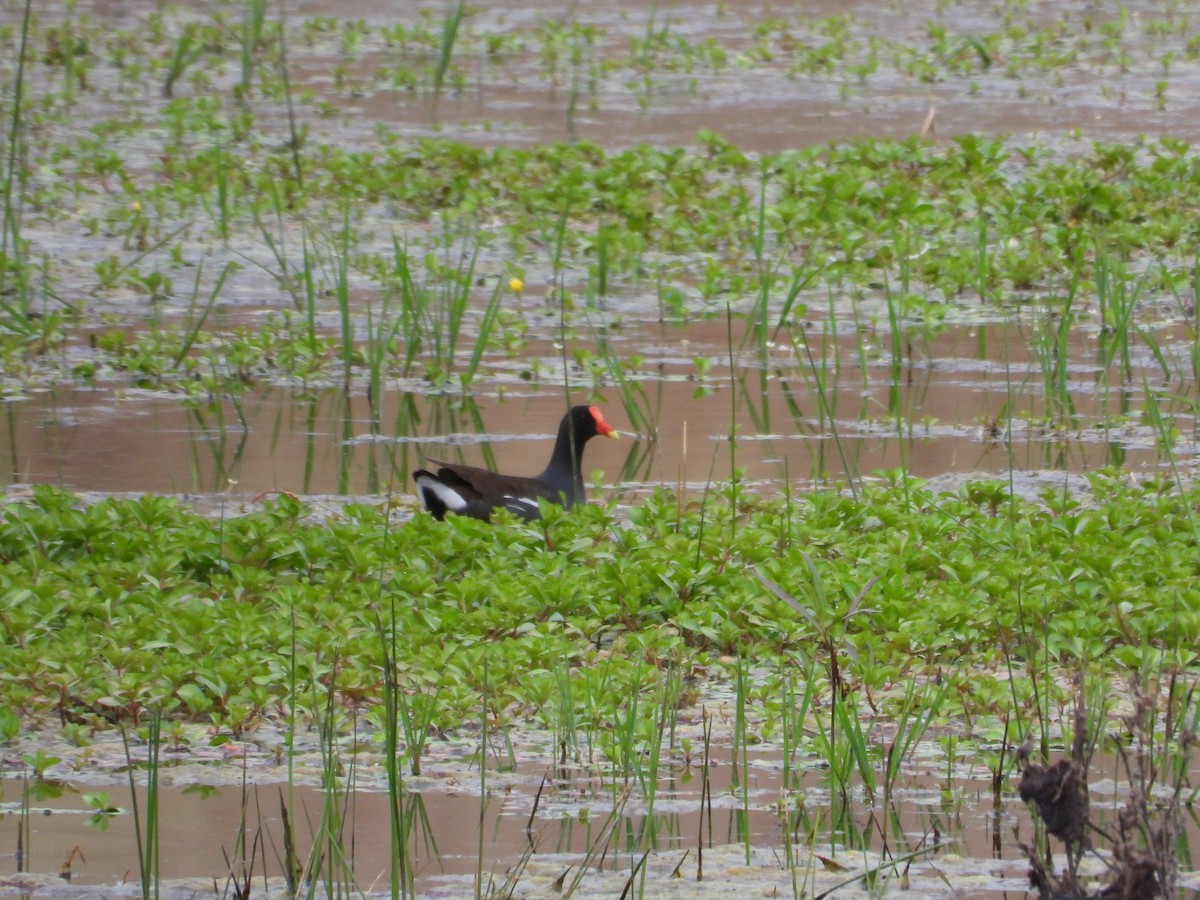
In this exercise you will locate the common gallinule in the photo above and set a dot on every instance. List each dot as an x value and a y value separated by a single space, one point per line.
471 491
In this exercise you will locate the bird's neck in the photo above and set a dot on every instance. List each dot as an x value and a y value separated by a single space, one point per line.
566 464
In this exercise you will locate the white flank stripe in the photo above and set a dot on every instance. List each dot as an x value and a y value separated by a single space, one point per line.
452 500
520 504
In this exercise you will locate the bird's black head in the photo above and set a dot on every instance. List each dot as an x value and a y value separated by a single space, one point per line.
586 422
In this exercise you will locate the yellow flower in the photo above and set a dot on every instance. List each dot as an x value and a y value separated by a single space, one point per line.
136 206
516 285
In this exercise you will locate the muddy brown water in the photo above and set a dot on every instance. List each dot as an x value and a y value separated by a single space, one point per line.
542 822
201 828
946 413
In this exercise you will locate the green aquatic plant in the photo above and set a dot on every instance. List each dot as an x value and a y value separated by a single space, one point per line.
330 861
250 40
919 708
662 586
189 47
394 713
846 753
451 23
311 612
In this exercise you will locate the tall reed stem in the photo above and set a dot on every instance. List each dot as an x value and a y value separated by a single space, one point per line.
145 826
12 227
